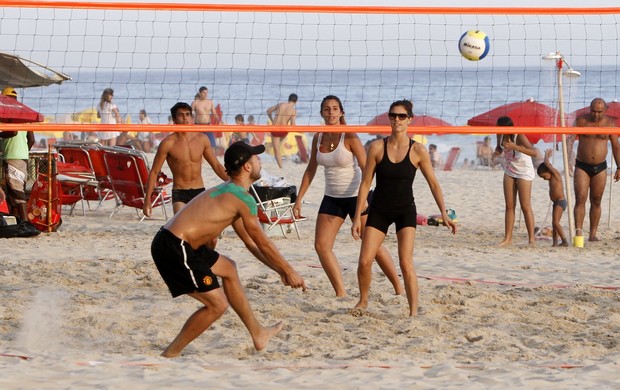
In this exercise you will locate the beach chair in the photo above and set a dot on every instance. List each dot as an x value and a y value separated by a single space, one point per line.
128 171
88 155
277 212
453 156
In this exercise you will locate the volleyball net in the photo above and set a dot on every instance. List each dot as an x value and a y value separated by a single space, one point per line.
251 57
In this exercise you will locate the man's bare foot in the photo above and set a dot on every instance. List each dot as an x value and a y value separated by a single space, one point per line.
266 334
532 243
505 243
594 238
564 243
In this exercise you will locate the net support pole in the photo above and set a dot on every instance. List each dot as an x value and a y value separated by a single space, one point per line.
49 189
611 191
569 193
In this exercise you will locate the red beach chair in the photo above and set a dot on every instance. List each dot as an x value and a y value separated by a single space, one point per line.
128 172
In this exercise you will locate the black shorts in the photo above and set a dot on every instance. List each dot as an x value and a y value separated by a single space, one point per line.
340 207
186 195
184 269
591 169
382 219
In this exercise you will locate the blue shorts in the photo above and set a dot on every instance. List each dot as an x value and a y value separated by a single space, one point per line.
382 219
560 203
339 207
184 269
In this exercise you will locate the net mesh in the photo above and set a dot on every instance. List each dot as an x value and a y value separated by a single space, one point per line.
251 58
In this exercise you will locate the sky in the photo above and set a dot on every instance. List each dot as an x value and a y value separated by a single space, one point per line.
129 39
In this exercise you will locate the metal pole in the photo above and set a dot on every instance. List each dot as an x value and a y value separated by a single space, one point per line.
49 189
611 191
569 193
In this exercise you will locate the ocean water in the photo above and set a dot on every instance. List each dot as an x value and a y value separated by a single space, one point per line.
455 95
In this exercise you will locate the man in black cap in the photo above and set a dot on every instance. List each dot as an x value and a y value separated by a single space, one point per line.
189 266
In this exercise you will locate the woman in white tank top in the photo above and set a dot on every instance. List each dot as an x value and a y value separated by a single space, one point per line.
342 155
517 153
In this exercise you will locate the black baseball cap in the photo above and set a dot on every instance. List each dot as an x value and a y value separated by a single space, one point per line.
239 153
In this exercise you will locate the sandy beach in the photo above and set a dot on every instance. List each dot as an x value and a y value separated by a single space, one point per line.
85 307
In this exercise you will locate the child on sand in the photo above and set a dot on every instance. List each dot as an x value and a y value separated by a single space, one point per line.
556 193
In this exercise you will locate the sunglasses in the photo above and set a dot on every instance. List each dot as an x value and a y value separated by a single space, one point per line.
402 117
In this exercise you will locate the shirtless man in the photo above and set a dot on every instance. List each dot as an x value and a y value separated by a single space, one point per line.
285 115
591 166
203 108
188 266
183 151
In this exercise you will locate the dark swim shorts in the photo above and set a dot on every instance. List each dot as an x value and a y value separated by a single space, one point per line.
562 203
186 195
591 170
184 269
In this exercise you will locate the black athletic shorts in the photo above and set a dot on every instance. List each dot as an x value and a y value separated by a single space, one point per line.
340 207
184 269
382 219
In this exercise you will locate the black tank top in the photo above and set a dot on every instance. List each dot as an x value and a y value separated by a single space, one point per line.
394 181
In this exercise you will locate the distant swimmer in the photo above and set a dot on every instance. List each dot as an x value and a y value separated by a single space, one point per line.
203 108
285 114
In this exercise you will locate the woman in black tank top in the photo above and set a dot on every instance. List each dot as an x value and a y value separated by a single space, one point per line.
395 161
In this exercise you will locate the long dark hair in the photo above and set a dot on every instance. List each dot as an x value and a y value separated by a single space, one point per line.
336 98
106 92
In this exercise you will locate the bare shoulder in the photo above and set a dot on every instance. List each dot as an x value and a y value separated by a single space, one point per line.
609 122
352 138
168 142
199 137
376 146
418 147
582 120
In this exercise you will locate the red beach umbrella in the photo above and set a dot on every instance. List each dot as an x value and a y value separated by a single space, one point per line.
417 120
12 111
529 113
613 111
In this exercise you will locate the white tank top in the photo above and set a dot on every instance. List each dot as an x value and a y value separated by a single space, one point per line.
518 165
342 174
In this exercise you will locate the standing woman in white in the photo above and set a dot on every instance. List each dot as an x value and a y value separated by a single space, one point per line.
519 173
342 155
108 112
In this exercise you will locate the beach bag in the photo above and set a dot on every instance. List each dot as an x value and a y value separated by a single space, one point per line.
11 226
